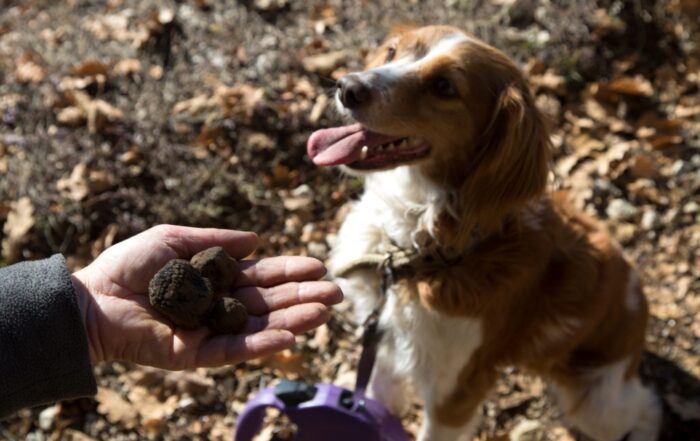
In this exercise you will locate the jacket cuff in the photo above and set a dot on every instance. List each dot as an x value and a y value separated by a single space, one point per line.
43 342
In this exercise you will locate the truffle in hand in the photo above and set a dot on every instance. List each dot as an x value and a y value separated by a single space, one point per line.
228 316
179 292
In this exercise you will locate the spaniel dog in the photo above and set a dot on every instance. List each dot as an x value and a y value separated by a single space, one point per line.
455 158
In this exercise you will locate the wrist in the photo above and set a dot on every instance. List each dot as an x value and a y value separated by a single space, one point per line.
85 304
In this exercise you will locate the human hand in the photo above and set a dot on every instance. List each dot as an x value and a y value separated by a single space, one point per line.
282 295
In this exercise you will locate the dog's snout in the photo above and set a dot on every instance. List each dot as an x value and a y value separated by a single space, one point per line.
353 92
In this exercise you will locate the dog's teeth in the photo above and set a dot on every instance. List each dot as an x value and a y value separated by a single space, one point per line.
403 144
415 142
363 152
391 146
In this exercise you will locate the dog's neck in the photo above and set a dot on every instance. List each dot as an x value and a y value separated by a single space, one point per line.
415 212
409 205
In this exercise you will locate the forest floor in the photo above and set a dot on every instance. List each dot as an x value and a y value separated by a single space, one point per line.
121 114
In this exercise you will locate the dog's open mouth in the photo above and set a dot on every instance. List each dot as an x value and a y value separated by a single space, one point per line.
362 149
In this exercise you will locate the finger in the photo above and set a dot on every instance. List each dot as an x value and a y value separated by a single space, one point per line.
188 241
260 301
276 270
296 319
231 349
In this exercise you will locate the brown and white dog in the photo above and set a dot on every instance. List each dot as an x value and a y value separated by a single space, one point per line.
454 150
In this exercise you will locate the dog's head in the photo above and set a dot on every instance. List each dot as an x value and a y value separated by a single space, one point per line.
443 101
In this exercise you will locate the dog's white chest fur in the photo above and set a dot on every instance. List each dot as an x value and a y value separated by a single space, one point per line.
418 342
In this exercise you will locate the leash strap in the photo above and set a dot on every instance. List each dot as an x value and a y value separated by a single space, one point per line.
371 337
389 265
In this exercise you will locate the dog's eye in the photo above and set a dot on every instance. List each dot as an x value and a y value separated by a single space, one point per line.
390 52
443 88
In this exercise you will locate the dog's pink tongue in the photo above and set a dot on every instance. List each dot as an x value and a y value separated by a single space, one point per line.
338 145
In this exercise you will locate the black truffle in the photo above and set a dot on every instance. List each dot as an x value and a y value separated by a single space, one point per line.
228 316
216 265
179 292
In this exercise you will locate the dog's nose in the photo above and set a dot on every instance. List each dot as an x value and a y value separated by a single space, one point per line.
353 92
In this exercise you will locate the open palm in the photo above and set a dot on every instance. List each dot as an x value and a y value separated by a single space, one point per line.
282 296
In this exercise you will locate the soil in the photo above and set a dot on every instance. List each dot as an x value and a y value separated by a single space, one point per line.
121 114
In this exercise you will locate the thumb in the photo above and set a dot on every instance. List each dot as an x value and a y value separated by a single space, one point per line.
187 241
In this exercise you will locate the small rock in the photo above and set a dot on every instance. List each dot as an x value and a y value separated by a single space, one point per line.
187 404
47 417
303 190
331 239
678 167
691 207
269 5
166 16
650 220
625 233
307 232
620 209
318 250
670 216
604 187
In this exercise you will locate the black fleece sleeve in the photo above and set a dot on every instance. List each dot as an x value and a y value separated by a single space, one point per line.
43 345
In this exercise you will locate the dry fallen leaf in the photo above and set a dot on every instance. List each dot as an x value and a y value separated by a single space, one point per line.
584 145
127 67
324 64
76 185
643 166
75 435
117 27
82 182
549 80
319 107
633 86
90 68
71 115
96 111
115 408
153 412
105 240
20 221
28 71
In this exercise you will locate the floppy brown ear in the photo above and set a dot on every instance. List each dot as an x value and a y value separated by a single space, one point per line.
511 162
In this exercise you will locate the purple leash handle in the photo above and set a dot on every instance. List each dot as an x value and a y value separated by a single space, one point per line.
323 412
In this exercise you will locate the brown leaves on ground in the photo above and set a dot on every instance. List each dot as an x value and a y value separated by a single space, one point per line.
238 101
83 182
118 117
95 112
20 221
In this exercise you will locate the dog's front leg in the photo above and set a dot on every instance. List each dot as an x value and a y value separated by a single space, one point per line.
357 238
452 407
388 385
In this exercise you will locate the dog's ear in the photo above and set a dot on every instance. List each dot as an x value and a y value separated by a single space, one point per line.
511 160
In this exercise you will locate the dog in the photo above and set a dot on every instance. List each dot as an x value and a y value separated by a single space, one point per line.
455 158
